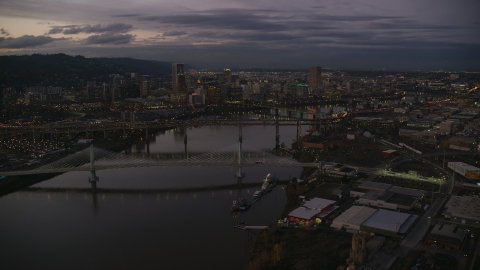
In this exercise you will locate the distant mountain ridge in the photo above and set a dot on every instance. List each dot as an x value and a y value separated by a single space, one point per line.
71 71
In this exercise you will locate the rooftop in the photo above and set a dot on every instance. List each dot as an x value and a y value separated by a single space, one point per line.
416 193
355 215
318 203
389 220
373 195
401 199
464 207
463 165
304 213
447 233
374 185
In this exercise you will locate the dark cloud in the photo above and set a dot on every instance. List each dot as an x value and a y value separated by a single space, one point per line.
127 15
320 7
409 24
174 33
247 36
25 41
114 39
4 32
222 19
55 30
72 31
98 28
352 18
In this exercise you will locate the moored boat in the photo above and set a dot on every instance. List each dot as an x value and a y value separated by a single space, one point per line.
238 203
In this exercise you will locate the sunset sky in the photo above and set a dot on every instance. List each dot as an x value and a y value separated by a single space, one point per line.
407 34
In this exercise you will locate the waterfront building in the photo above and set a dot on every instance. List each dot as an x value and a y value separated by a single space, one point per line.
312 211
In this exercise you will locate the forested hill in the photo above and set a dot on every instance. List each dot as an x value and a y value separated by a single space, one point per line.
70 71
142 66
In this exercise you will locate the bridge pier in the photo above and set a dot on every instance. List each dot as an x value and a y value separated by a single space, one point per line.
185 143
277 136
124 131
93 179
239 173
299 134
104 133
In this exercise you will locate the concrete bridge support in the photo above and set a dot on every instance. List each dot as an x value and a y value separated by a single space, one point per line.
239 173
277 136
185 140
93 179
299 134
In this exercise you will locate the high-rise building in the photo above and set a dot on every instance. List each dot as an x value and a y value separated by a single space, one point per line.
178 78
314 77
145 86
228 75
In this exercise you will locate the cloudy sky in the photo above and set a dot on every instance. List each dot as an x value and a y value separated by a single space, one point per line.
406 34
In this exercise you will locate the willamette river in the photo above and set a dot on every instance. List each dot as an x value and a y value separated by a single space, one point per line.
143 219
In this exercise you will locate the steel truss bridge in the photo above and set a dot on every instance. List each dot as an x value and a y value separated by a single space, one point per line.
77 127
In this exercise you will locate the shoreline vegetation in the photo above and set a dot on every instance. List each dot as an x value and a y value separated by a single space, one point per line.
296 248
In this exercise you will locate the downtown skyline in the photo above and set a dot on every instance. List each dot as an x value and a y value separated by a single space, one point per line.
244 34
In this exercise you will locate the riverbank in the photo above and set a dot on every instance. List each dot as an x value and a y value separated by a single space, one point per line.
298 248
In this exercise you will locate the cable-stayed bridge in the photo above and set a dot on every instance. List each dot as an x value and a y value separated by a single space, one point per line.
94 158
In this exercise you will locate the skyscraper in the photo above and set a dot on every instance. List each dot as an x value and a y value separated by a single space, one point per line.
178 77
228 75
315 77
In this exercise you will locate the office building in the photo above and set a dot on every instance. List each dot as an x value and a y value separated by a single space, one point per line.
178 78
315 77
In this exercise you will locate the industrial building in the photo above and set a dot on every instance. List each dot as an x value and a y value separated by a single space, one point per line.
389 200
389 223
368 186
448 236
378 221
312 211
353 218
389 153
463 209
466 170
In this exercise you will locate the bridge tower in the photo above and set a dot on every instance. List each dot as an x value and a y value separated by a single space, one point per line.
93 179
239 173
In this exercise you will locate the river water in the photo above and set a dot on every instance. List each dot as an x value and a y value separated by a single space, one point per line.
144 218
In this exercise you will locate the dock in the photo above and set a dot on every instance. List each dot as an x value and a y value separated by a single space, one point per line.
243 227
